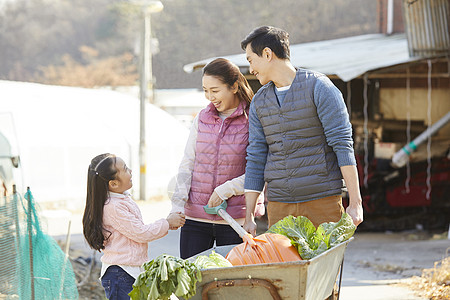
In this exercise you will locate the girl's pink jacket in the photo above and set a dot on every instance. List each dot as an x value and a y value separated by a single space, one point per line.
126 234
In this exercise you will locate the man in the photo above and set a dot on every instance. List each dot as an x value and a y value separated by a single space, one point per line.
300 138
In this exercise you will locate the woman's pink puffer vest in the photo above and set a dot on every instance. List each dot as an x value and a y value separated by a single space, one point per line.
220 155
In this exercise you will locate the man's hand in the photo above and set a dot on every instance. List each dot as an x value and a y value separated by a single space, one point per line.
214 200
354 208
356 212
250 226
250 203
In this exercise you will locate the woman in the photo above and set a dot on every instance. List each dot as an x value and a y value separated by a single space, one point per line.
213 166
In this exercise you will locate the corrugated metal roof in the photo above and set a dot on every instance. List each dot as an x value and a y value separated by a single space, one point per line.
346 58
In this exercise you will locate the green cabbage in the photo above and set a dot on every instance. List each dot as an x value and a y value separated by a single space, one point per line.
214 260
310 241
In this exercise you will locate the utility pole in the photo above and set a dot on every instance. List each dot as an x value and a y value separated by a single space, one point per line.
143 80
145 83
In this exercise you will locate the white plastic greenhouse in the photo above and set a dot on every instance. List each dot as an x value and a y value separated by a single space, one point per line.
57 131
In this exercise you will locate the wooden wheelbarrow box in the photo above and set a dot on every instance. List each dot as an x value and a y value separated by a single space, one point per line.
312 279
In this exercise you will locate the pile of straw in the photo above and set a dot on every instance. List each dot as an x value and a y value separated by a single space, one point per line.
434 284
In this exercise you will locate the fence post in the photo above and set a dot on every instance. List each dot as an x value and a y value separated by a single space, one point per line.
30 239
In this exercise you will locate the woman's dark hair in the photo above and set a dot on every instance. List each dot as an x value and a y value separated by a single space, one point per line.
229 74
101 171
271 37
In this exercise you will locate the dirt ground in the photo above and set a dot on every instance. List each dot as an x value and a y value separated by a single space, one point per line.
376 265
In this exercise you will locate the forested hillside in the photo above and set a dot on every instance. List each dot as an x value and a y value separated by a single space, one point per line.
94 42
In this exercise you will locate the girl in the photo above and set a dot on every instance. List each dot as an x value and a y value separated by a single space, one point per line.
112 224
213 166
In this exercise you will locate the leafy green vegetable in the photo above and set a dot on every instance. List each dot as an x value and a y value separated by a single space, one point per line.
214 260
310 241
164 276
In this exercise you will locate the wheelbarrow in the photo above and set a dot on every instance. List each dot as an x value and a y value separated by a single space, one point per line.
312 279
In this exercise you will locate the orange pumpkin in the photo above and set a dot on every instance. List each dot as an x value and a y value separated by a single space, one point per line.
265 248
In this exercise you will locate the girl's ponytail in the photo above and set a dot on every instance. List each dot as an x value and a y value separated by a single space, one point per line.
100 172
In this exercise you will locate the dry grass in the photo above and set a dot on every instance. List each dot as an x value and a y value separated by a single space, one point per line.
434 284
111 71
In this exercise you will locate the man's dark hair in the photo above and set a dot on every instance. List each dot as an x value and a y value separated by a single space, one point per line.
267 36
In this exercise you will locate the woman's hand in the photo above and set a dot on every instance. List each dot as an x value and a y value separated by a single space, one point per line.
214 200
176 220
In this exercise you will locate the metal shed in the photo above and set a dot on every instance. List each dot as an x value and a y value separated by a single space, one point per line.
346 58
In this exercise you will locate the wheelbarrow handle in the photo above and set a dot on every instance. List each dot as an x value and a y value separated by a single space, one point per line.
221 211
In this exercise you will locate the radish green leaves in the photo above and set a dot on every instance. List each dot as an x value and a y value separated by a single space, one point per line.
310 241
164 276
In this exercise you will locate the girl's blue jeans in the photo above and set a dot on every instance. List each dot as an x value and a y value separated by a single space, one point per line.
117 283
